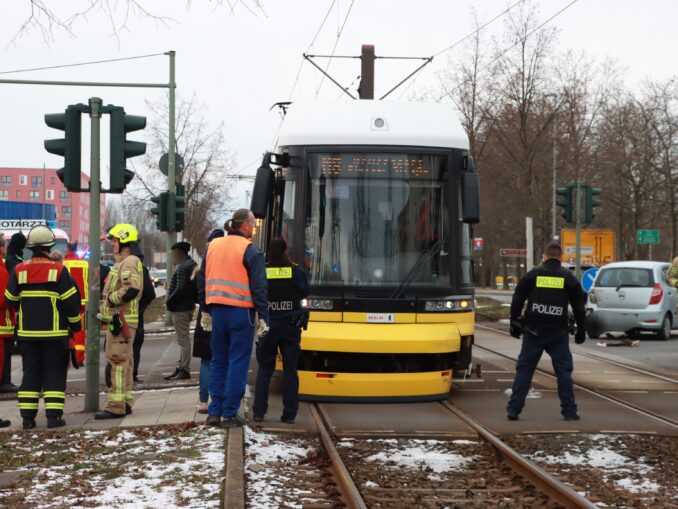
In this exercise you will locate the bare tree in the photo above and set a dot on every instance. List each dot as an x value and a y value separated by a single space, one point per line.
202 148
49 21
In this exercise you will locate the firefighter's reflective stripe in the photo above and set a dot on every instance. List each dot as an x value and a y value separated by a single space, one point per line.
54 400
22 277
118 388
279 273
557 283
28 400
80 348
14 298
68 293
52 275
227 281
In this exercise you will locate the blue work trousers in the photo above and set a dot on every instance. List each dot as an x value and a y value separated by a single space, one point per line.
232 340
286 337
556 343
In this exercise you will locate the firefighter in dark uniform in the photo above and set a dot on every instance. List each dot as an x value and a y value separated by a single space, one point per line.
48 304
548 289
287 285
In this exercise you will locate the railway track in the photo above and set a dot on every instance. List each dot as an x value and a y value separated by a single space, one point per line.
668 421
337 475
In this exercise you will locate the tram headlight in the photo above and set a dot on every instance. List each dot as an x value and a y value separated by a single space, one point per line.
448 305
317 304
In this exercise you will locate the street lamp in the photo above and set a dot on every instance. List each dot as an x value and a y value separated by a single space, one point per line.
555 155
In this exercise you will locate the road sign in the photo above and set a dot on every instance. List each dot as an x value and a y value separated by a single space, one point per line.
178 164
647 236
588 278
478 244
513 253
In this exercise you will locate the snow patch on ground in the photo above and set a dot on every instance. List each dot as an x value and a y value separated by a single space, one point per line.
422 454
268 465
155 472
611 462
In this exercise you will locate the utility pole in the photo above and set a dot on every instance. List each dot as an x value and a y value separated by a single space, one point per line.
366 89
93 327
171 170
529 244
554 223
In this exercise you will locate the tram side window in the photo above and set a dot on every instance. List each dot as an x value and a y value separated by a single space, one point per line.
287 226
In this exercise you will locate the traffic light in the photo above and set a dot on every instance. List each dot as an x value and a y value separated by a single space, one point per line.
591 203
121 149
161 211
69 146
179 209
567 202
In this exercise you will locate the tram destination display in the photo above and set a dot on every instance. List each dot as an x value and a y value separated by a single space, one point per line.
382 165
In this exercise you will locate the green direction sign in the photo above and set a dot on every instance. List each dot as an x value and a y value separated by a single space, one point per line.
647 236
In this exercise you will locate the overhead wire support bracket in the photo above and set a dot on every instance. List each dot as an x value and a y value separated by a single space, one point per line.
428 60
308 57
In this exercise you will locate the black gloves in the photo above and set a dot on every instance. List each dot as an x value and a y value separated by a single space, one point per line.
516 329
580 336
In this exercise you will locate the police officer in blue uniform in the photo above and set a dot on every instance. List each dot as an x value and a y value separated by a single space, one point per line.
548 289
287 285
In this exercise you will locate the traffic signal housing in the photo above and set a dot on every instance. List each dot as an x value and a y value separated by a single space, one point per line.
70 121
591 203
122 149
161 211
179 208
567 202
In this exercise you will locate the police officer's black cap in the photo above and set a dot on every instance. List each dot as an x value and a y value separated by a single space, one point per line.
182 246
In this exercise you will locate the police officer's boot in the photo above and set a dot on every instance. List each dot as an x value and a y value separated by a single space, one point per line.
28 423
55 422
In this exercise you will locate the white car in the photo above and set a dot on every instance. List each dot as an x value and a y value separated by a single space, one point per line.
632 297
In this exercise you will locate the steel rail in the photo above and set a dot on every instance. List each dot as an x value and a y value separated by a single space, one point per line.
353 498
667 421
555 489
619 364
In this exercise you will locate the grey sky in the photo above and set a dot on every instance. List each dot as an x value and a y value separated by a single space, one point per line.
241 64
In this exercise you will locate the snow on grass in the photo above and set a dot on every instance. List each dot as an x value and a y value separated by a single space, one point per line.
637 486
269 468
165 467
422 454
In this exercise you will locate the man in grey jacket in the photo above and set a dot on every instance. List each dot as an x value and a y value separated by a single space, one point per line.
181 300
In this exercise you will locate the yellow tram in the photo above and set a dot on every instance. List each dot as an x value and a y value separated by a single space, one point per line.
376 201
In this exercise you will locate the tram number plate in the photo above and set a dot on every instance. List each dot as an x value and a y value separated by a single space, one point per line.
380 318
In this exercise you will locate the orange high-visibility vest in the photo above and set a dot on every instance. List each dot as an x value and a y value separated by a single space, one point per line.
226 280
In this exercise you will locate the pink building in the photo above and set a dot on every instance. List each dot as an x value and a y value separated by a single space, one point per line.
41 185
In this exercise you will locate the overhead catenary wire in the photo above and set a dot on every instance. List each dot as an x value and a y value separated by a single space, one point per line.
336 43
506 50
93 62
317 33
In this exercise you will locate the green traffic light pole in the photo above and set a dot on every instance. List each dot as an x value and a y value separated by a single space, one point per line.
93 339
578 221
93 327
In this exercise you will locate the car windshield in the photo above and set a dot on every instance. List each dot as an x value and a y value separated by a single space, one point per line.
377 219
615 277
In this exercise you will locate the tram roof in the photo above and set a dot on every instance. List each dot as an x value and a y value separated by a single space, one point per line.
355 123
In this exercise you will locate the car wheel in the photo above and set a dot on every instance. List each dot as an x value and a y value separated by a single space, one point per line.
665 332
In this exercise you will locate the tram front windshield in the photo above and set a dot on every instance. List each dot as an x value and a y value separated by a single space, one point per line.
377 219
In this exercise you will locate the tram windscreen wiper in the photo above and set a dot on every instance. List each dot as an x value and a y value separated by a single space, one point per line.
416 268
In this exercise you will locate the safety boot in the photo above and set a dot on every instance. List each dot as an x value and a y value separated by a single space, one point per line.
4 423
55 422
28 423
233 422
213 420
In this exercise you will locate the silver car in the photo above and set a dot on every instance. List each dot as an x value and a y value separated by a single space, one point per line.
631 297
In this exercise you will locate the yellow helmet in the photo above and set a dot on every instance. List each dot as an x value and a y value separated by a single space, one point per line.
124 233
40 236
